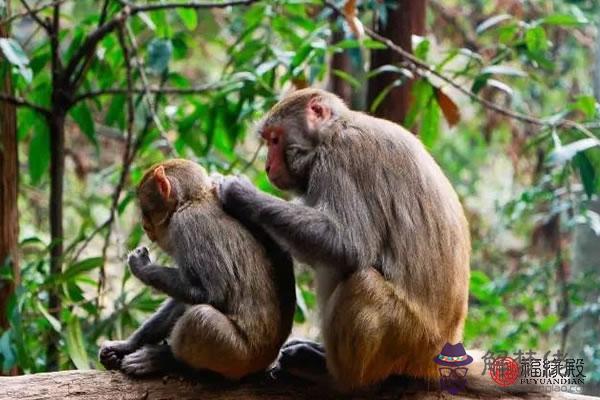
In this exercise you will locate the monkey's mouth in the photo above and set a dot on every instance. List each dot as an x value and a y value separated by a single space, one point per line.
281 181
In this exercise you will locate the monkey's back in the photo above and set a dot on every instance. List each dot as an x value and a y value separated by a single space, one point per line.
405 214
256 275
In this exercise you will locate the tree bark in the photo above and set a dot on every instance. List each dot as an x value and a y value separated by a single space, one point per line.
57 171
406 19
9 177
98 385
340 61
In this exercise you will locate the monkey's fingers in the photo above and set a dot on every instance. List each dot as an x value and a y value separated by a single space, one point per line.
110 359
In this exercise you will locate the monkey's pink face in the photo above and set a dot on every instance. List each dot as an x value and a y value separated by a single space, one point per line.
276 167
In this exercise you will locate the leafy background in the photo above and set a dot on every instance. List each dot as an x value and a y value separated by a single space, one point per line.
530 190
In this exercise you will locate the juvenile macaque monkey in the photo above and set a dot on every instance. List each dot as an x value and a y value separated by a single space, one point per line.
382 227
232 294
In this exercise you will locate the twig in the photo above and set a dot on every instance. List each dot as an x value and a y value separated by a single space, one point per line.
127 159
188 4
145 82
86 50
418 64
35 16
31 12
151 89
21 102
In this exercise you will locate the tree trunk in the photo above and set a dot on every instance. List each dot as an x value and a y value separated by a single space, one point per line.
406 19
98 385
57 171
9 176
340 61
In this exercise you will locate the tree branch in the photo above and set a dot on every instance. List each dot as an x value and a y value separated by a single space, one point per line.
150 89
35 16
417 64
86 50
127 159
21 102
106 385
188 4
32 12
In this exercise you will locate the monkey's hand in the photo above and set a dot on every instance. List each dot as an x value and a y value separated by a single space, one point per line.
112 352
138 259
233 189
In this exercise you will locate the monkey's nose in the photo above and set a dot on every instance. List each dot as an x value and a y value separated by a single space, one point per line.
267 168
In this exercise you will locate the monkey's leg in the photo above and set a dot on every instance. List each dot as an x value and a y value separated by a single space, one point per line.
206 339
155 329
371 332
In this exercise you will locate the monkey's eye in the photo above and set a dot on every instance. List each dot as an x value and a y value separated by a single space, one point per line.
274 140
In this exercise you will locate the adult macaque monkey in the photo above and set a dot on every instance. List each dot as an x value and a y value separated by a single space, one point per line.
232 295
382 227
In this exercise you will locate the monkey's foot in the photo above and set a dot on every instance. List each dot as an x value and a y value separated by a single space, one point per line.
149 360
303 359
112 352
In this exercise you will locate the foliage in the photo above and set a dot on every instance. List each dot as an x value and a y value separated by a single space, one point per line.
221 69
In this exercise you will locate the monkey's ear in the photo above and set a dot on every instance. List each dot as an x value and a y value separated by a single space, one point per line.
317 112
162 182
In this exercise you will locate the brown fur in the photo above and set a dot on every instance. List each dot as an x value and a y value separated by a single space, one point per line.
383 228
235 285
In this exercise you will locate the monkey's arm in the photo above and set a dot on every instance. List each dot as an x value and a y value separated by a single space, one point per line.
167 280
155 329
311 235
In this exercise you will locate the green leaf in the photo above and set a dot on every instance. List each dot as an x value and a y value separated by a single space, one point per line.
189 17
430 126
390 68
347 77
422 92
76 345
479 82
563 20
491 22
159 55
502 70
381 96
6 351
39 151
536 40
83 117
422 49
548 322
13 52
565 153
115 114
78 268
585 104
15 55
587 173
54 323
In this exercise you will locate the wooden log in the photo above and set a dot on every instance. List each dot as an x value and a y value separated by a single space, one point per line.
104 385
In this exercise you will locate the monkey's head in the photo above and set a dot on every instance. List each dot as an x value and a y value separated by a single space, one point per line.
293 129
164 188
